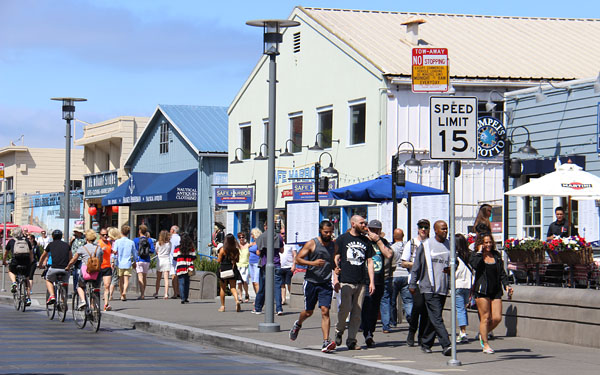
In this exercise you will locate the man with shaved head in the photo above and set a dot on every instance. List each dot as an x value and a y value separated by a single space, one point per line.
354 260
430 272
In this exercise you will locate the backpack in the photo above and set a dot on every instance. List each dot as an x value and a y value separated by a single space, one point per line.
20 247
143 247
93 262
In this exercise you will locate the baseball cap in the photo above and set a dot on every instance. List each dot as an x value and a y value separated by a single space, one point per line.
376 224
423 222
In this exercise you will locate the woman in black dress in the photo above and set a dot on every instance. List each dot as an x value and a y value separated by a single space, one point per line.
228 256
490 281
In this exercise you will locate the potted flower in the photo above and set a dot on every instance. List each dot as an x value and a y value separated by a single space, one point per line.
525 250
569 250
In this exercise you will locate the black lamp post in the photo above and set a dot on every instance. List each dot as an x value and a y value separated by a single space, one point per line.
399 178
272 36
68 113
512 168
329 170
260 154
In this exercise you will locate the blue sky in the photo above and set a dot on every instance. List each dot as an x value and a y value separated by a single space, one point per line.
127 56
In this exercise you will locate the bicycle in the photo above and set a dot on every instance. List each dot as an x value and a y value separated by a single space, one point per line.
60 291
20 295
91 312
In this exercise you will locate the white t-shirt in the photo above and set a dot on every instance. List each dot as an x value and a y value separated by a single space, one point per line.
407 254
398 249
287 257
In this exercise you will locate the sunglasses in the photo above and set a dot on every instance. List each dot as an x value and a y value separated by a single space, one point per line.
104 234
423 227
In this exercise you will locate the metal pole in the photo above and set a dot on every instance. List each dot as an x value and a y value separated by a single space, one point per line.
269 325
394 199
317 173
4 232
67 179
451 234
506 165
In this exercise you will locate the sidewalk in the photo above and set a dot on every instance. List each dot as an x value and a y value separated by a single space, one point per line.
199 321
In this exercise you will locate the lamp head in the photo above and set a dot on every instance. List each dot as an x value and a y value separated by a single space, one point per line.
528 148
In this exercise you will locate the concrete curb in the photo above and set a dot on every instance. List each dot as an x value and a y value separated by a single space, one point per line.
322 361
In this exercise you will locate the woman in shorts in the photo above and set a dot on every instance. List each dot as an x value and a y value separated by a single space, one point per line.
253 271
163 266
243 265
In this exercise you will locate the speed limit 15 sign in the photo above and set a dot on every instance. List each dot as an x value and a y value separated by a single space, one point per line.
453 127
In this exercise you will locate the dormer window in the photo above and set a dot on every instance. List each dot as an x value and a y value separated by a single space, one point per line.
164 137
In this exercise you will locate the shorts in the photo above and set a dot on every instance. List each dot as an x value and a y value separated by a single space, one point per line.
32 269
106 272
23 263
115 277
317 292
253 273
494 295
286 276
53 274
142 267
125 271
163 264
243 274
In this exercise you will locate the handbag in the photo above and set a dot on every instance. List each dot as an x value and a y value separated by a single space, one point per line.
227 274
88 275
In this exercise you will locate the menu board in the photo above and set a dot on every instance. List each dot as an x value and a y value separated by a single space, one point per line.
302 221
430 207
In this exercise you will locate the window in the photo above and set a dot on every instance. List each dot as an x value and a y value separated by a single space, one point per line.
357 123
495 113
10 183
76 185
326 127
245 141
265 131
297 42
296 133
532 225
164 137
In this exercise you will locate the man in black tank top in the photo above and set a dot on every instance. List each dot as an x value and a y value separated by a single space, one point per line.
318 255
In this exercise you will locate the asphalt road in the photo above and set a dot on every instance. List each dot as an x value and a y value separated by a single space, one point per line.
32 344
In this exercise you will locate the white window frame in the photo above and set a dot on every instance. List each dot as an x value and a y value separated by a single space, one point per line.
243 126
265 123
321 110
522 227
351 104
164 138
291 117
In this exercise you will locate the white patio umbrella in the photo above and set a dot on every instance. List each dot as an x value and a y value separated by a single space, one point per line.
569 180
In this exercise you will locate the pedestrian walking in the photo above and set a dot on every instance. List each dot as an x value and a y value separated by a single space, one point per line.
483 218
163 264
388 300
228 256
490 281
126 254
184 256
399 283
243 266
145 247
253 270
76 242
106 266
318 256
174 240
355 262
430 271
261 251
288 266
464 282
113 235
418 314
382 252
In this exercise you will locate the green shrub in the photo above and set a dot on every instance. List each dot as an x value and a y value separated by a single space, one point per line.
206 264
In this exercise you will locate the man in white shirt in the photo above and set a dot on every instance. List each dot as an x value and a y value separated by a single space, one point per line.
175 240
44 240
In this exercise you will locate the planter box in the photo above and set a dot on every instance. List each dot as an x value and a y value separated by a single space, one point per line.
571 257
533 256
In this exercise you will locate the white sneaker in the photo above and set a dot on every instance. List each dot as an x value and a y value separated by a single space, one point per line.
462 338
82 305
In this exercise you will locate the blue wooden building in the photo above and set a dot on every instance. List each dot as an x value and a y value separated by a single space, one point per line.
171 171
562 120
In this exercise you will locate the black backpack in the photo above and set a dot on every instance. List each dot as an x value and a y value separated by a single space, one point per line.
144 247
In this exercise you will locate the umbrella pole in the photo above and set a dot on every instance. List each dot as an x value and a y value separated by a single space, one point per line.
570 215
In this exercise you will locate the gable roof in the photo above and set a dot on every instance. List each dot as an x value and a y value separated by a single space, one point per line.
479 47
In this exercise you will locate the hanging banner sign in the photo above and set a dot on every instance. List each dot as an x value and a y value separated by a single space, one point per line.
305 191
225 196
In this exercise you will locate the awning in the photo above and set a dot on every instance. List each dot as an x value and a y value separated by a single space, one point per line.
178 186
380 189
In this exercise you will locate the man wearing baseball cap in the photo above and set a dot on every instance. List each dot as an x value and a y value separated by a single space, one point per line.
370 309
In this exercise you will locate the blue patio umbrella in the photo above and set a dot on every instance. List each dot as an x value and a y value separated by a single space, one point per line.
380 189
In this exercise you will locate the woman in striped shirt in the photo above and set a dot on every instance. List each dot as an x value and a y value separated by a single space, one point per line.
184 256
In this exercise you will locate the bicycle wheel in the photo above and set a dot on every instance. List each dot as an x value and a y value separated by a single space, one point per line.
95 312
23 293
78 315
61 303
17 298
50 309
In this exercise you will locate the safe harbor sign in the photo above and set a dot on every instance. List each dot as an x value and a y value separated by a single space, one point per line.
430 70
226 196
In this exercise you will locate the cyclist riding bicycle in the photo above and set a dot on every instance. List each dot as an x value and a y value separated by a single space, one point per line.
61 254
22 252
84 253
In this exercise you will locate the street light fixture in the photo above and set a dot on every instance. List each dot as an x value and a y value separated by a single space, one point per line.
236 160
260 154
68 113
329 170
399 178
272 36
490 105
287 150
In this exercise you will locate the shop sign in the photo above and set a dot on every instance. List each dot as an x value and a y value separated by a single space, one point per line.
226 196
490 137
287 193
99 184
305 190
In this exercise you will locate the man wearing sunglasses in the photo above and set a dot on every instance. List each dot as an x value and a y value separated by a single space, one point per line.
418 315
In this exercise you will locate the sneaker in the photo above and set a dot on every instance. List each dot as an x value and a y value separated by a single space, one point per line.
338 337
369 341
353 345
294 331
462 338
107 308
82 305
13 288
279 313
51 300
28 302
328 346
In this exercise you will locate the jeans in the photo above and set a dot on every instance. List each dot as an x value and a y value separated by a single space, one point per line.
259 302
435 326
462 298
418 315
184 286
389 307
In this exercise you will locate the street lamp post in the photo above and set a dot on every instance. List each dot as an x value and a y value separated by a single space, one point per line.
271 38
68 111
329 170
398 178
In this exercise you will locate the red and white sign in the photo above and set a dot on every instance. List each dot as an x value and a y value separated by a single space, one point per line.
287 193
430 70
1 171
